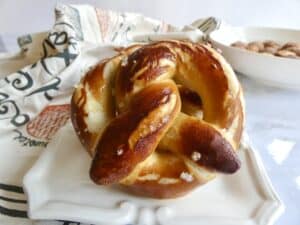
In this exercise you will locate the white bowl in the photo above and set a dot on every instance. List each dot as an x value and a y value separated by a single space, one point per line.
271 70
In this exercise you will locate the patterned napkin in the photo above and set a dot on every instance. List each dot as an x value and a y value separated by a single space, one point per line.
36 85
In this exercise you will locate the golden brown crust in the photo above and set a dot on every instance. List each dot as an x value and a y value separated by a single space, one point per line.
140 138
152 189
96 87
78 101
196 136
116 156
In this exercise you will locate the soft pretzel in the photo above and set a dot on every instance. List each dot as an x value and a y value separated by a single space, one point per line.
161 118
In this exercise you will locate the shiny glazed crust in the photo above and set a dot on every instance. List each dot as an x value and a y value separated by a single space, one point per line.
161 118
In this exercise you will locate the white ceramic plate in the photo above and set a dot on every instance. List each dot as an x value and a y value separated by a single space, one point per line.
272 70
58 187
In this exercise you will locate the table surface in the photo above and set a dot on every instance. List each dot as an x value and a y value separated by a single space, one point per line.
272 114
273 126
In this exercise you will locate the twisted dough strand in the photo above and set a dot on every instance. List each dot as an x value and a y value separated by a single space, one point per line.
156 140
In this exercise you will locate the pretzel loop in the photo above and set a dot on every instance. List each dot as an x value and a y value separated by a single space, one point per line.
160 119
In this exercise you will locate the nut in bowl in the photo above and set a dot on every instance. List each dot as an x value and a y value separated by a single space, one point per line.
269 55
288 50
161 119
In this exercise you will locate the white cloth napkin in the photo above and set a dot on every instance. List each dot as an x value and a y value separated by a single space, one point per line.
36 85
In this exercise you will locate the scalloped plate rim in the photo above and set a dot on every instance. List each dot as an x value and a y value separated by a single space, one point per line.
128 212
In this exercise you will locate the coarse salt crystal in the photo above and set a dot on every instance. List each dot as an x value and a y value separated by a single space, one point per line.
151 176
124 61
152 128
165 119
164 99
186 177
166 180
196 156
120 151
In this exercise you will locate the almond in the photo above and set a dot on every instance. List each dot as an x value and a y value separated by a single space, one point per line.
239 44
255 46
286 54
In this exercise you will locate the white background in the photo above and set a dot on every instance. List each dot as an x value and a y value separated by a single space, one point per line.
23 16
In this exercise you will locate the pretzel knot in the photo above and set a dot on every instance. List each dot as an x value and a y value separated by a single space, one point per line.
161 118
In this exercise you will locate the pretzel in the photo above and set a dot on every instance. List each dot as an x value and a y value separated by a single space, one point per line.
160 119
